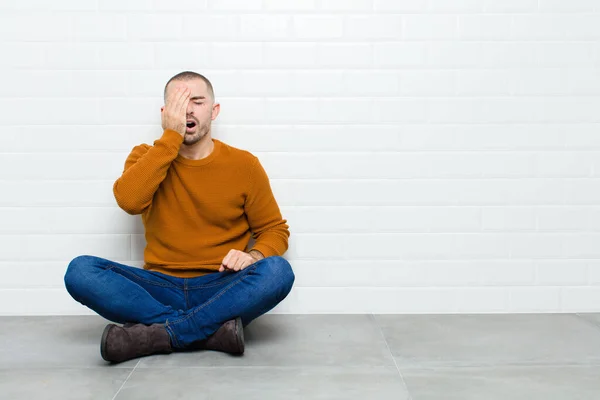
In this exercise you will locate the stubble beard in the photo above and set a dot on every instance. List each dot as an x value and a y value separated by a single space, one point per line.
193 138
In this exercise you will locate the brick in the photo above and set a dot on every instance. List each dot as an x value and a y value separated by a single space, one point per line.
235 5
420 27
154 27
346 5
576 6
88 28
455 6
235 55
344 55
373 27
125 55
400 54
510 6
289 5
211 27
318 27
403 6
265 27
484 27
290 55
427 83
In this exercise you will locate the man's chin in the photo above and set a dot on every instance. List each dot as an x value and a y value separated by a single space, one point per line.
191 138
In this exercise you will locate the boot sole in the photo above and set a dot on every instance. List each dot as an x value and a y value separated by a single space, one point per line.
239 334
103 341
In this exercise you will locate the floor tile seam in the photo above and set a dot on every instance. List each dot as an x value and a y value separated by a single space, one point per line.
396 366
126 379
589 322
279 367
63 367
593 364
387 345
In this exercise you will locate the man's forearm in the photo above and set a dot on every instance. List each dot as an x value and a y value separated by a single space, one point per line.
145 169
256 254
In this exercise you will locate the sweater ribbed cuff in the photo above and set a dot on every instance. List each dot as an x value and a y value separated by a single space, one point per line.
266 251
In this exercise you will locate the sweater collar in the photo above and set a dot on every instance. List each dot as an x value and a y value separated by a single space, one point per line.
203 161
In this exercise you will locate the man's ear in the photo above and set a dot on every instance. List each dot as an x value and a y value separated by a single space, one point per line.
215 111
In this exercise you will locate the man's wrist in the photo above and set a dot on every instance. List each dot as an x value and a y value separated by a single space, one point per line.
257 255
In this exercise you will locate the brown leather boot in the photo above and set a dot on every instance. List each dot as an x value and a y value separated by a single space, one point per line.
229 338
120 344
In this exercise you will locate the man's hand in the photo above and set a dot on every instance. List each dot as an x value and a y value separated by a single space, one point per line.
237 260
173 114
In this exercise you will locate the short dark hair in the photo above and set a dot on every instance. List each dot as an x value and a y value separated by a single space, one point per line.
187 76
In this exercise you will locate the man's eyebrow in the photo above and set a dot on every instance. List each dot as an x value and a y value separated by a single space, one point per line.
197 97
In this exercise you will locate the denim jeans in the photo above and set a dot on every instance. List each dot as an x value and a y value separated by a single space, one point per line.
191 308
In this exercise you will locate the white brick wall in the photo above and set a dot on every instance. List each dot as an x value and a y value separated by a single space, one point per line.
430 155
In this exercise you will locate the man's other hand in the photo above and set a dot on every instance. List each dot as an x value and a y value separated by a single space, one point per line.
236 260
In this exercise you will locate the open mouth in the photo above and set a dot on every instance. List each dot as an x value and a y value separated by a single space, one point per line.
190 125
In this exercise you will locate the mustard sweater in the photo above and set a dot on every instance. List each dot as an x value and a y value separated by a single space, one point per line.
195 211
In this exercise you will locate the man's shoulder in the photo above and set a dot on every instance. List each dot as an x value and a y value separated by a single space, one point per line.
237 153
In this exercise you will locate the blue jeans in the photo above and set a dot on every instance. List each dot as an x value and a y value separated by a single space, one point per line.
191 308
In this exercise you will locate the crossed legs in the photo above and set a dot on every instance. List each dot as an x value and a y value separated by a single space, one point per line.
191 309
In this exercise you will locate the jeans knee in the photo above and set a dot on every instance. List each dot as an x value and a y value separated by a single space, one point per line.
281 272
76 271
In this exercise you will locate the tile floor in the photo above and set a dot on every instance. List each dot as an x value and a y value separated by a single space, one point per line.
419 357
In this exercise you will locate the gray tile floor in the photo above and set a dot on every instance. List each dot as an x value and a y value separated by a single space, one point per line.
419 357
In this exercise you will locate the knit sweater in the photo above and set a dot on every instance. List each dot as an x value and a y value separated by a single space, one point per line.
195 211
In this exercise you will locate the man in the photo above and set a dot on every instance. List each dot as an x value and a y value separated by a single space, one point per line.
201 202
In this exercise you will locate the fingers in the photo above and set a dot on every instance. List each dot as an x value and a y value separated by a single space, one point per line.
244 263
227 264
180 109
236 260
185 102
175 99
172 97
184 96
225 261
180 100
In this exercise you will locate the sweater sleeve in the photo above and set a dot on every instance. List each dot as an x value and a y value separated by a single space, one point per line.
269 230
145 168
